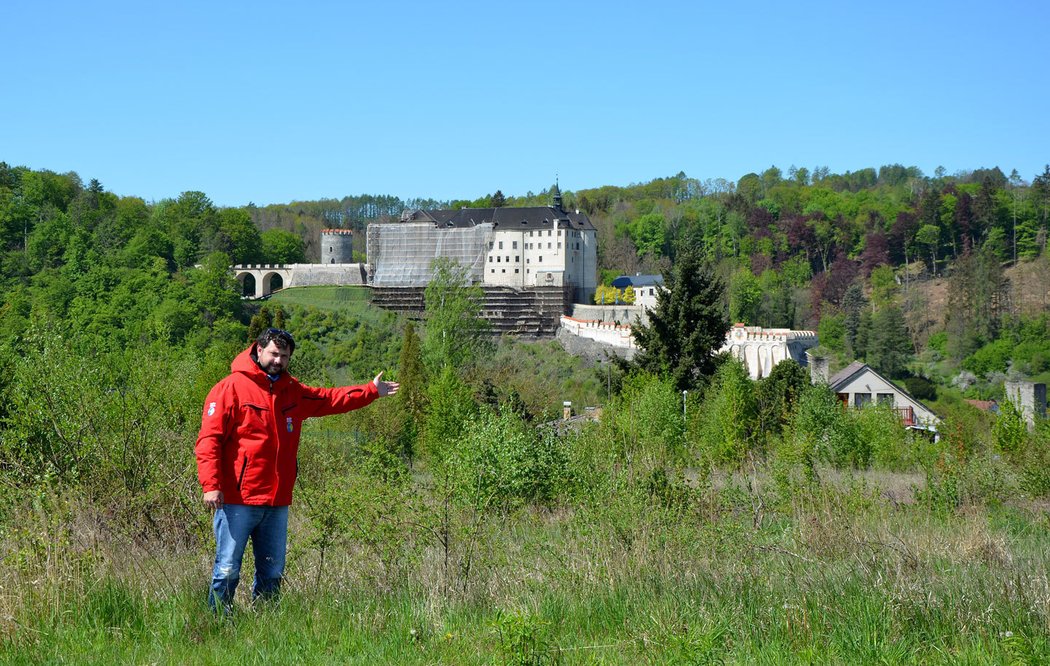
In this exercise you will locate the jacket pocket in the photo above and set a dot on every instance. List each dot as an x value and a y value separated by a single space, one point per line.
240 477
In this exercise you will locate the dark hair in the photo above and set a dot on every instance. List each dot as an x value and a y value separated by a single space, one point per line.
283 339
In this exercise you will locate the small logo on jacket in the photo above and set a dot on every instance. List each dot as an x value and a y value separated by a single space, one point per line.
289 422
211 409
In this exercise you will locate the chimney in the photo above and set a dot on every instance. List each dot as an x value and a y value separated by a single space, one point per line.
566 410
1029 398
818 367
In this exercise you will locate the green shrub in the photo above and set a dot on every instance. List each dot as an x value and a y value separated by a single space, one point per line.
879 430
450 405
993 357
921 388
822 430
724 425
1010 431
502 461
647 417
778 395
1033 462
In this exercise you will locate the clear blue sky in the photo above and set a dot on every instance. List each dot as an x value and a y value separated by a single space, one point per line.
270 102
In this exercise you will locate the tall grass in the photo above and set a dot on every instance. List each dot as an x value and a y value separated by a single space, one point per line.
837 574
623 543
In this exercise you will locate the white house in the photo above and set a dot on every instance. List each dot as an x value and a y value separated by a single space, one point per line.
645 288
858 385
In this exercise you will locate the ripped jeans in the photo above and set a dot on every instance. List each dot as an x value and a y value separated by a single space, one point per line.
234 524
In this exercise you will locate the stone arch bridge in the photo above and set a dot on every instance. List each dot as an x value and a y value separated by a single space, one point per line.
261 280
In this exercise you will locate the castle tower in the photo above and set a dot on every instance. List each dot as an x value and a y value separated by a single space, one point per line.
337 246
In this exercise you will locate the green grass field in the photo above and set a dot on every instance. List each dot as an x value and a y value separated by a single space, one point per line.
329 298
834 575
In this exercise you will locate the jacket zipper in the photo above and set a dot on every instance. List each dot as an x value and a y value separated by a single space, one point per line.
277 438
244 468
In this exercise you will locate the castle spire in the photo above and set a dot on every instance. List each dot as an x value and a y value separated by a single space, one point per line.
556 194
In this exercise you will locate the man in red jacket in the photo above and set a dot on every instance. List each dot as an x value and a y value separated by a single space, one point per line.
247 457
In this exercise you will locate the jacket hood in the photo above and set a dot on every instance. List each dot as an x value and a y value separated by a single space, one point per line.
245 364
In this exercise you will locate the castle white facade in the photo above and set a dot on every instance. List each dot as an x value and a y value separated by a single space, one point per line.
517 247
553 253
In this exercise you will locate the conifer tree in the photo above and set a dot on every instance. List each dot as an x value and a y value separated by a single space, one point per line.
688 325
261 321
889 347
411 374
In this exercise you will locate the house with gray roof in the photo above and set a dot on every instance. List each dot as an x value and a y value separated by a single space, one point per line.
858 385
645 288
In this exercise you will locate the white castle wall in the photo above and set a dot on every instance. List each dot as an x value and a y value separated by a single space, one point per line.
624 314
762 348
600 331
316 275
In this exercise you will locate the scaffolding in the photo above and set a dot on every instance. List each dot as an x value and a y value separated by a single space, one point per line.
401 254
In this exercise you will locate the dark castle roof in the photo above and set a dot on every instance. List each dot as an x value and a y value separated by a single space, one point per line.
637 280
503 219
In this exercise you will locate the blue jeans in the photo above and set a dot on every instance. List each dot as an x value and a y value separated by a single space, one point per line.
234 524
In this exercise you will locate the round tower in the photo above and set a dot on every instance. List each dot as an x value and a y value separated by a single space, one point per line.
337 246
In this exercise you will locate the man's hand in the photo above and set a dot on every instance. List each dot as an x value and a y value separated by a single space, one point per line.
385 388
213 499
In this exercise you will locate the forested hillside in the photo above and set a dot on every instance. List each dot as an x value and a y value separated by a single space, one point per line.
915 274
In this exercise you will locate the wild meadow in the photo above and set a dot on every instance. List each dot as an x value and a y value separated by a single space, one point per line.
463 522
760 524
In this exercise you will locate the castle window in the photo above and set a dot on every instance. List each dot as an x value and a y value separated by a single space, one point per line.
332 261
497 259
541 259
559 232
492 270
514 245
504 270
507 259
559 246
490 258
517 258
548 246
490 245
517 270
501 245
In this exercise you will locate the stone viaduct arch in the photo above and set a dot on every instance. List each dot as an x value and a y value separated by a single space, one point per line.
260 278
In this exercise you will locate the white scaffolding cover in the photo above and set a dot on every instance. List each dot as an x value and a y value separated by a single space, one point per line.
401 253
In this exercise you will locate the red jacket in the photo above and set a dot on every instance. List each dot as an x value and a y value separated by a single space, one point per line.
249 436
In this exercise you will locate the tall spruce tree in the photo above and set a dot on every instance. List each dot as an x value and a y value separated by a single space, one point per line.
688 325
889 347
